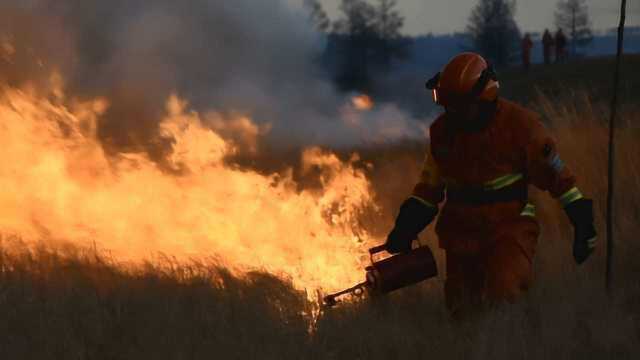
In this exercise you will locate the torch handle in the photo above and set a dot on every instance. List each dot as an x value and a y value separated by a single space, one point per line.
377 249
380 248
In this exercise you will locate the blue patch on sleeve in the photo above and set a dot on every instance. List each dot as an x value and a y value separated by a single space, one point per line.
556 163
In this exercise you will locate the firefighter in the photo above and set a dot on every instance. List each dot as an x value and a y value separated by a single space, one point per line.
485 151
547 45
561 45
527 44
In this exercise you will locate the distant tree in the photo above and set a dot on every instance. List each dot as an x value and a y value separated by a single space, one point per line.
493 30
388 23
356 34
358 18
365 39
573 17
317 15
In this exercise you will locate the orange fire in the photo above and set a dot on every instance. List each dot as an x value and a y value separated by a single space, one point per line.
58 185
362 102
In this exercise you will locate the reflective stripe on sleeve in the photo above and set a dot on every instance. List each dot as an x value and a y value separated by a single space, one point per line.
570 196
423 201
529 210
503 181
495 184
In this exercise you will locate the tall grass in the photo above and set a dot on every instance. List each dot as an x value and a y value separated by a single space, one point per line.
75 304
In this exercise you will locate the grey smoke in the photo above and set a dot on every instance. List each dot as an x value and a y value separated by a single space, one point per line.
257 57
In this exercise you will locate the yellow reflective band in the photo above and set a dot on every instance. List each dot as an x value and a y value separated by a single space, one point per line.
529 210
495 184
423 201
503 181
570 196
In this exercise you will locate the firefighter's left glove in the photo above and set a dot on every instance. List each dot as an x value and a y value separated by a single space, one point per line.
414 216
580 213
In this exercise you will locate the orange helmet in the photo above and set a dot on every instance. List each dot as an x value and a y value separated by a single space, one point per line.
467 77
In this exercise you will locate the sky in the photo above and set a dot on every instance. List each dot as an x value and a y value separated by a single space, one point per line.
446 16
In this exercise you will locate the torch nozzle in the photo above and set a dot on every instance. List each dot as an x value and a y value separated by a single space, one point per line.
331 299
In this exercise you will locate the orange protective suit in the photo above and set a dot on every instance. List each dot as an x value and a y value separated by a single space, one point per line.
490 245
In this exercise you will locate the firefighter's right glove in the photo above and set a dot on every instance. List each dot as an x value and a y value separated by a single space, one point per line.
580 213
414 216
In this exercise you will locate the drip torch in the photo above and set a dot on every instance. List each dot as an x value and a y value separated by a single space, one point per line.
392 273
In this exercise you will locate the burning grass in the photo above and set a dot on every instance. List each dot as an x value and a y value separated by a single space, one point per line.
72 303
61 185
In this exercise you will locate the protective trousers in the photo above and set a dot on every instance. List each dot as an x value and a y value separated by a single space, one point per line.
498 271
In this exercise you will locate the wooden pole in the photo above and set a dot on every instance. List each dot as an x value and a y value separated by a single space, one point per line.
610 187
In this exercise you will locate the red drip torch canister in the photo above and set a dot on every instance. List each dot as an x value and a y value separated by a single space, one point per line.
392 273
400 270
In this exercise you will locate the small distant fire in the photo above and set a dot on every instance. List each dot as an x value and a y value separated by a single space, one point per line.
362 102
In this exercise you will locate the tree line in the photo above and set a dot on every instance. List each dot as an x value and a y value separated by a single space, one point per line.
366 38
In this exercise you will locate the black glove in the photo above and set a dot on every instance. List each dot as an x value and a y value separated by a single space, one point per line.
414 216
580 213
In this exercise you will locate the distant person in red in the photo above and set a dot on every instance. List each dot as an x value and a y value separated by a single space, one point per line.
547 45
527 44
561 46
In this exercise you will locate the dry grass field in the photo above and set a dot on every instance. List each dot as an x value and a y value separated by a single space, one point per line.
69 303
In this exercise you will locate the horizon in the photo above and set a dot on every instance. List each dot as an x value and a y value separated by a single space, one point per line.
531 17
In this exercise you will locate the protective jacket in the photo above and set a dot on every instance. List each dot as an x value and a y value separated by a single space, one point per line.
487 226
485 175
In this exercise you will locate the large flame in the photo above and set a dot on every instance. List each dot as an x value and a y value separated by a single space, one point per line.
58 184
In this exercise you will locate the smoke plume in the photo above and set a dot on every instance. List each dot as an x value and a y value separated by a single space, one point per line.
255 58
